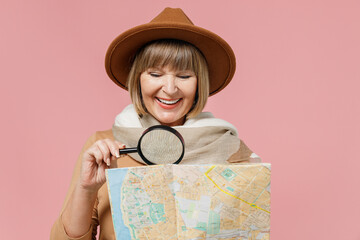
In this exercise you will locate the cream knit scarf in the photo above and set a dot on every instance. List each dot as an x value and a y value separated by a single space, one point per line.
208 140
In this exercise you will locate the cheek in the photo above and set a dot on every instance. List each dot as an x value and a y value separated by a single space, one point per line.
147 89
146 97
190 90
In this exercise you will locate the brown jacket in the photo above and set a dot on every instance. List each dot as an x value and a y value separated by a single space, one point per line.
101 213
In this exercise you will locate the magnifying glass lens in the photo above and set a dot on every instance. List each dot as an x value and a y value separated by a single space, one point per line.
161 147
159 144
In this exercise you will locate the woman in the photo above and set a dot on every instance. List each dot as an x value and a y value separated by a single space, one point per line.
170 67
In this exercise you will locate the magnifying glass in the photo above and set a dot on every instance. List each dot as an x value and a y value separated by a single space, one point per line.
159 144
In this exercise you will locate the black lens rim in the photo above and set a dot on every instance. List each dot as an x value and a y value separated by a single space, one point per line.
166 128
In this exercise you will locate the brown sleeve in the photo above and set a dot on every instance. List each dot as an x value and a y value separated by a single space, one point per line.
244 155
58 231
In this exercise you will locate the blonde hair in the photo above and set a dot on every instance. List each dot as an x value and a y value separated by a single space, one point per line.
177 54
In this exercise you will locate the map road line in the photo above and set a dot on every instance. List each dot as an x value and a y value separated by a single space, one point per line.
251 204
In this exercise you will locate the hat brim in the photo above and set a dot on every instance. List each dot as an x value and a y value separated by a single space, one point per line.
218 54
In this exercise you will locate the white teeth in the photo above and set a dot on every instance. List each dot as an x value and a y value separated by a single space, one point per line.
167 101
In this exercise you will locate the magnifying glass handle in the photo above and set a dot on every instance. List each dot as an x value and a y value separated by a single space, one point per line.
128 150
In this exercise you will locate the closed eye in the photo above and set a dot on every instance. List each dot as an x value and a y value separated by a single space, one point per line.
155 74
184 76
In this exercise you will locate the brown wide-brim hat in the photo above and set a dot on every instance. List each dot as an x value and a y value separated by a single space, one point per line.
171 23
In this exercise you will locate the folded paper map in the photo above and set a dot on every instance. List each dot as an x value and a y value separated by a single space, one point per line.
191 201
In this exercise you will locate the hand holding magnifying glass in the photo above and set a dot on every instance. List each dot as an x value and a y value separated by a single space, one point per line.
159 144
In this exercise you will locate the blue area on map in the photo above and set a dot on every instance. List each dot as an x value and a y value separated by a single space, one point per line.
214 223
116 178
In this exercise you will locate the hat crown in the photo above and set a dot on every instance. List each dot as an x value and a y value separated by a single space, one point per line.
172 15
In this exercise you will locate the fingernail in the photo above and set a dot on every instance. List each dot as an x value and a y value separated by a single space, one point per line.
117 155
108 162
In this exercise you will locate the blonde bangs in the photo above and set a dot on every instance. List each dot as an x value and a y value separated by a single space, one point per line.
175 53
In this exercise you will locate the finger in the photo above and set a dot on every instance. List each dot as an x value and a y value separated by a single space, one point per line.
113 160
101 170
121 145
104 148
98 155
114 147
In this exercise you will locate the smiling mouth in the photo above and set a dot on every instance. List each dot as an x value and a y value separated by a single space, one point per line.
168 102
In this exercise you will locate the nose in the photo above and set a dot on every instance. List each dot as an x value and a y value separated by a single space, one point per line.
169 85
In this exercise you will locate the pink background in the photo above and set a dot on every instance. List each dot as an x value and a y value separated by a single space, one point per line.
294 100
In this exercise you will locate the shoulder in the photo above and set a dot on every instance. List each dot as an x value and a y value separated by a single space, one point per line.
98 135
244 155
103 134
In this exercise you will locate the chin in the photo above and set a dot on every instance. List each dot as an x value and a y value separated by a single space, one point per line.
171 121
168 122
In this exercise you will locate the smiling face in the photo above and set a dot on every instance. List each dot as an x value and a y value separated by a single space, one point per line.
169 79
168 94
